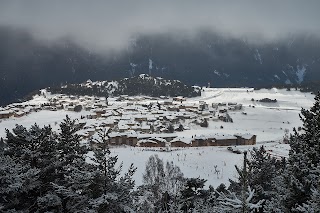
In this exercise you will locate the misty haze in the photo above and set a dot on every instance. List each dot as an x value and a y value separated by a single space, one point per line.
159 106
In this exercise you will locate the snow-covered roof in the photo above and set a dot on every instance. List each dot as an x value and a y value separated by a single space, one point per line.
182 139
166 135
5 112
246 136
218 136
146 141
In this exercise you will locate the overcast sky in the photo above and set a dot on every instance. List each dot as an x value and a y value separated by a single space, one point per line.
110 23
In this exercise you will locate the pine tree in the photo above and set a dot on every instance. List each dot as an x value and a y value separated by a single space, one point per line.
16 181
191 194
312 205
33 149
72 174
296 186
110 192
54 168
261 170
69 141
242 199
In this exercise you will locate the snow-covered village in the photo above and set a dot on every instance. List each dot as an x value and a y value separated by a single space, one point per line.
205 136
213 127
159 107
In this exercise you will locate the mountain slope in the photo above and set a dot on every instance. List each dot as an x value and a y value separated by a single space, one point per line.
27 64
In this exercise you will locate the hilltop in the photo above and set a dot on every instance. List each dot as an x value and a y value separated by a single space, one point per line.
138 85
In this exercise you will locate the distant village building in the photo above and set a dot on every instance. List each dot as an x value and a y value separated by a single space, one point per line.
224 140
180 142
5 114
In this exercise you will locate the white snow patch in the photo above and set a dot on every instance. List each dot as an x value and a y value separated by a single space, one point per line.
257 56
226 75
287 81
216 72
301 71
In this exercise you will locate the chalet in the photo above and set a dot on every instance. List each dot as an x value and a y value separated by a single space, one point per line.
246 139
115 138
160 141
199 141
235 107
130 139
190 106
107 123
223 110
203 105
99 112
205 113
141 118
214 105
91 131
180 142
18 114
145 128
168 136
224 140
179 98
69 108
123 127
135 128
148 143
173 108
88 107
167 102
5 114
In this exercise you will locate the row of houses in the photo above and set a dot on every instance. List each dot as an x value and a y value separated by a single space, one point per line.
172 140
15 112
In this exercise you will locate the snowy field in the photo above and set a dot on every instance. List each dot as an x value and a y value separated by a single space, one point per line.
266 120
194 161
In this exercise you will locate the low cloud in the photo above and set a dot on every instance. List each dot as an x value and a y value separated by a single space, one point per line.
109 24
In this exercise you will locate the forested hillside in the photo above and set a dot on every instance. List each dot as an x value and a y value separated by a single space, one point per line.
139 85
28 64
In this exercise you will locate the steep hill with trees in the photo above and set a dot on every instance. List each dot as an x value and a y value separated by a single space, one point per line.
139 85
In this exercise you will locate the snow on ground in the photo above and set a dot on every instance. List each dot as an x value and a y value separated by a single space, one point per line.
267 120
194 161
44 117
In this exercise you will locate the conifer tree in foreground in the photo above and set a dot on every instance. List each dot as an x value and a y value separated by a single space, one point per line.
110 191
44 171
241 201
297 188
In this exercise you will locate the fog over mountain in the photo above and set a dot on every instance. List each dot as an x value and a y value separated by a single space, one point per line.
105 24
225 43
